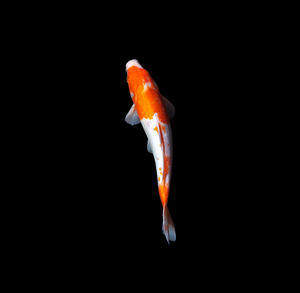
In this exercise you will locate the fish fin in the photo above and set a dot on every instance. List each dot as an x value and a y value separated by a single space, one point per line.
168 225
132 117
170 107
149 149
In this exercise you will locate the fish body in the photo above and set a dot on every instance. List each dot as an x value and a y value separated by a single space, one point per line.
153 111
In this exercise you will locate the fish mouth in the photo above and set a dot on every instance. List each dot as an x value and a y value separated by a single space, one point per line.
133 62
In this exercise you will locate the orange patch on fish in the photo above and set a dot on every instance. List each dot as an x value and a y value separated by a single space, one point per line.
166 167
160 171
163 193
147 102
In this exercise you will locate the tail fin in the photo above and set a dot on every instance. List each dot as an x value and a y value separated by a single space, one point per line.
168 225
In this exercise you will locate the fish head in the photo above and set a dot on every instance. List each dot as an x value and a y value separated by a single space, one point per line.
133 62
135 75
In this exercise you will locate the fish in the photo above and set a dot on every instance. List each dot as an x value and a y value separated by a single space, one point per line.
153 111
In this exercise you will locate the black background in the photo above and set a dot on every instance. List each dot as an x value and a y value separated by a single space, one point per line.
90 178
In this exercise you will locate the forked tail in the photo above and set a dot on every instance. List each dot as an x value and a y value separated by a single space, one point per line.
168 225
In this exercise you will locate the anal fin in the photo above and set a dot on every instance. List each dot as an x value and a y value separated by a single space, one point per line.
149 149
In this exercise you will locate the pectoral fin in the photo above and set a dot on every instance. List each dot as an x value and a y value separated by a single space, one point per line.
170 107
132 117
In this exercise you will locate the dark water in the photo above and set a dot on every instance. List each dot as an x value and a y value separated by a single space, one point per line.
88 178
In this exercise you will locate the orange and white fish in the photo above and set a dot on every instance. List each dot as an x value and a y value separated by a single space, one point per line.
154 112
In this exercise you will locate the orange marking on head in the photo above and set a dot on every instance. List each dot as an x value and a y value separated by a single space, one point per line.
155 129
147 102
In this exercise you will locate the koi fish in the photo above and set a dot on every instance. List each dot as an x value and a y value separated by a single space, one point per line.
154 112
